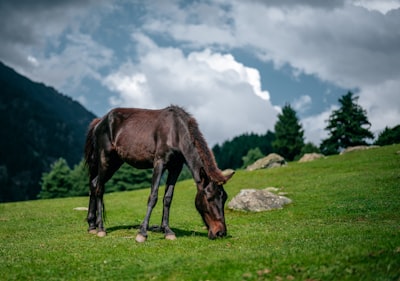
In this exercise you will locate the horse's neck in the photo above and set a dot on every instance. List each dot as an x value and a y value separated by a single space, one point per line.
193 161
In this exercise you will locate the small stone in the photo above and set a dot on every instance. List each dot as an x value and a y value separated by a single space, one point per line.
81 208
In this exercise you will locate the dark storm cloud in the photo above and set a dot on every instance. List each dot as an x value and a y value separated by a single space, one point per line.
25 24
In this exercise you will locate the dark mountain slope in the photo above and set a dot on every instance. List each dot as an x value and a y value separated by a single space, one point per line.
37 126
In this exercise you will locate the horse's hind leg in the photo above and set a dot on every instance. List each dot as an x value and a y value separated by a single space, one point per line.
107 167
95 211
91 218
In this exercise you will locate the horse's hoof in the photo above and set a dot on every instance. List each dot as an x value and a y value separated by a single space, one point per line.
92 231
170 237
140 238
101 233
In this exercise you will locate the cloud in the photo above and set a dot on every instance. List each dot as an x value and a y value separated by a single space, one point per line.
382 103
302 104
182 53
27 24
81 58
346 43
224 95
314 126
378 5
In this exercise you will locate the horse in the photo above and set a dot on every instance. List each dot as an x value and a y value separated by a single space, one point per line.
162 139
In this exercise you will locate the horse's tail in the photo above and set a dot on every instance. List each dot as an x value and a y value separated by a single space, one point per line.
91 158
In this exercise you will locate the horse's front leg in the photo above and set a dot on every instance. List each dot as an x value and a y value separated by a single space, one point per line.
152 201
169 193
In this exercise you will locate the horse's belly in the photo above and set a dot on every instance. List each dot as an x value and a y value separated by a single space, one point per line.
138 156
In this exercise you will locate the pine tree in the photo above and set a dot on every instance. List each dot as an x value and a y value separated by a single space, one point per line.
289 135
389 136
347 126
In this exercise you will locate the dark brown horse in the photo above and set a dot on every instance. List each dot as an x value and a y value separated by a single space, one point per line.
162 139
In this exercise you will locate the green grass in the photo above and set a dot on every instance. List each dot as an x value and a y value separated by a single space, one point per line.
343 224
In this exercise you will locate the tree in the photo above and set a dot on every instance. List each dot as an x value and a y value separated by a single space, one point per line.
57 182
129 178
309 148
79 178
347 126
252 156
230 153
389 136
289 135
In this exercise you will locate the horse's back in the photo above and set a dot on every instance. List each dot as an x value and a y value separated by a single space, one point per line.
137 134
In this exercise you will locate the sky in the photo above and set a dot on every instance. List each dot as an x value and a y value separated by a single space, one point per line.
233 64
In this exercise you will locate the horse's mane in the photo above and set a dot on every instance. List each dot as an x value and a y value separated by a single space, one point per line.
205 154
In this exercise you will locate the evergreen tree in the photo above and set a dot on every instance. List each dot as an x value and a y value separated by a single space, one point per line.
289 135
230 153
347 126
389 136
57 182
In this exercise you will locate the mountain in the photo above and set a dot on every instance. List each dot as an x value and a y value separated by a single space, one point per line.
38 125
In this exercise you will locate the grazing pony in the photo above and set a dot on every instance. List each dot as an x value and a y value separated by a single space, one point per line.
163 139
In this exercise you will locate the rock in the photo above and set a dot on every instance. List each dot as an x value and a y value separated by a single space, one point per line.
256 200
311 157
270 161
359 147
81 208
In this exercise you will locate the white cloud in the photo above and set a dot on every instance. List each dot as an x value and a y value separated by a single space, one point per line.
224 95
302 104
314 126
382 6
352 44
382 103
81 58
346 43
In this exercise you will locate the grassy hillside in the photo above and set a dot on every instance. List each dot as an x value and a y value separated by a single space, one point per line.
343 224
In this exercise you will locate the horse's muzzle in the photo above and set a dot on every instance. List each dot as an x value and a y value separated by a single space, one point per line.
218 234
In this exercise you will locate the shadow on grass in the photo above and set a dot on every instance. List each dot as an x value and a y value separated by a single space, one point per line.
157 228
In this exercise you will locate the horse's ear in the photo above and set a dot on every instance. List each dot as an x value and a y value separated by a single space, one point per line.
228 175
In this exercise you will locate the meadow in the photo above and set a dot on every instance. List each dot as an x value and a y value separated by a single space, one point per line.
343 224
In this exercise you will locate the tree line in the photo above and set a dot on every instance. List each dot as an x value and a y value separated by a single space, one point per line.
347 126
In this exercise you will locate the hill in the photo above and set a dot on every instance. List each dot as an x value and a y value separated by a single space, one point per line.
38 125
343 224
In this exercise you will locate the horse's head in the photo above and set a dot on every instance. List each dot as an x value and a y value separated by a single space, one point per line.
210 201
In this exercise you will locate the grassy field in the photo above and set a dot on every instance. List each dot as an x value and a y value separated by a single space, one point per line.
343 224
